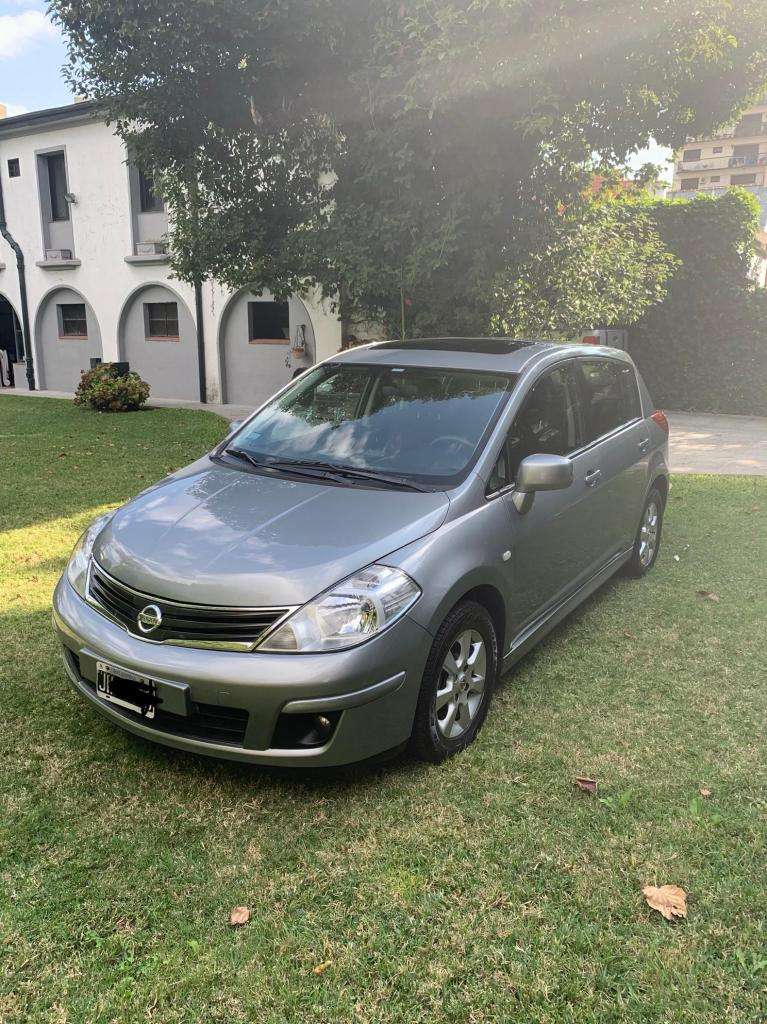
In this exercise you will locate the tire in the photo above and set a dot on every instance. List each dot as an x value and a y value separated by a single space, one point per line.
467 633
643 559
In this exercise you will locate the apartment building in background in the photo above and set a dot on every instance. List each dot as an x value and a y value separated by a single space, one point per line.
737 155
93 230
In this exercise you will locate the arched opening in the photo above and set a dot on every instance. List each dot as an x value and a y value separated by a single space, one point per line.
11 343
67 337
257 344
156 335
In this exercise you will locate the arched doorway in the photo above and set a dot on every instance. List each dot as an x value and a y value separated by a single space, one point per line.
67 337
11 342
256 346
157 337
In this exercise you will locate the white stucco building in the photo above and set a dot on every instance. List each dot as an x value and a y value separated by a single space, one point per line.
98 283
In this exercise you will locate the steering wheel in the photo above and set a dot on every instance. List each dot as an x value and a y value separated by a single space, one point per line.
451 439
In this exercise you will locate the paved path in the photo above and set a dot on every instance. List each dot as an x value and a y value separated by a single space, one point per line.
699 443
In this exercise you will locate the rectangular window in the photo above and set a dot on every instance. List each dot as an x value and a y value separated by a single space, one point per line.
612 395
689 184
717 149
268 322
161 320
691 154
57 185
149 201
73 322
14 168
715 177
743 179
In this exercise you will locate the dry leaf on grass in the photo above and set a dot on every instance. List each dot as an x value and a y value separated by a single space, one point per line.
586 785
704 791
707 595
239 916
669 900
321 968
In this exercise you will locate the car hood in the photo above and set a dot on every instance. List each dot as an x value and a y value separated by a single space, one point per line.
223 536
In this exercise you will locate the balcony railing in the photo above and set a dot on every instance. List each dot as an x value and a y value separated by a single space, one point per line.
734 132
721 163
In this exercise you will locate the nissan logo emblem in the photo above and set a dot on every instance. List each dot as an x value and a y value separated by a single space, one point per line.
149 618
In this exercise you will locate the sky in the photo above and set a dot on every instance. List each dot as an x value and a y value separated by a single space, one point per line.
32 53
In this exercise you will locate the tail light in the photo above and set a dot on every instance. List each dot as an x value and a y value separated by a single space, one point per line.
660 418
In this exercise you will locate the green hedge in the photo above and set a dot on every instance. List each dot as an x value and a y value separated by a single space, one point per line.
704 348
716 361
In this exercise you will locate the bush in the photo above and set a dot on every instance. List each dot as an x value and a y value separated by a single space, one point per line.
103 390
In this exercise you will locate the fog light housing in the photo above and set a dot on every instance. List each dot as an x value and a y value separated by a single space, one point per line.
302 732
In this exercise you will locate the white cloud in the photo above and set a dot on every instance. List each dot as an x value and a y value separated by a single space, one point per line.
20 31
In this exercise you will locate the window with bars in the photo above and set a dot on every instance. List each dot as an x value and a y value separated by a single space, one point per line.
161 320
73 322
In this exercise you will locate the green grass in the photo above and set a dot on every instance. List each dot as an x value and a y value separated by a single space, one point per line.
484 890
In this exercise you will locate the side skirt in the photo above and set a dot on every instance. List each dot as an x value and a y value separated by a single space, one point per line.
538 629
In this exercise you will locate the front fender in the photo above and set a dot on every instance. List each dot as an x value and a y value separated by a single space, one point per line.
465 553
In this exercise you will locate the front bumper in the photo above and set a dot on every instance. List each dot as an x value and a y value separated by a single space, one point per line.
374 686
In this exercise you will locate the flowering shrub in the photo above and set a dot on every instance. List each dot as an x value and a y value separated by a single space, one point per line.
102 389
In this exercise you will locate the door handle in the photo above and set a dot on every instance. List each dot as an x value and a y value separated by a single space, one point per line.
592 478
644 445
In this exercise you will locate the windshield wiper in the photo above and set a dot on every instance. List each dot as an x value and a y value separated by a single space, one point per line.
355 473
326 470
240 453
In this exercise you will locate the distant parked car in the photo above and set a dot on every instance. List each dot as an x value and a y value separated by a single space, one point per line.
353 567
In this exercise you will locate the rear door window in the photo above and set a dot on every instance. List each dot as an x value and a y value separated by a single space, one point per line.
611 395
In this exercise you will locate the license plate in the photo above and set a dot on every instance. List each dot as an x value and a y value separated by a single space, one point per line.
126 689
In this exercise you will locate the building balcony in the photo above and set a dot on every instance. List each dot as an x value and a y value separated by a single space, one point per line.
721 163
736 132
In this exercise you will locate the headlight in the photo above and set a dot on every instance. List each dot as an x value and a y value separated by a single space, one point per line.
348 614
77 569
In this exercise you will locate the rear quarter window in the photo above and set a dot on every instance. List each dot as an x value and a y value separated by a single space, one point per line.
611 395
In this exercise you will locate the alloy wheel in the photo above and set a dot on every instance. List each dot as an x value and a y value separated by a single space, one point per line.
648 534
461 684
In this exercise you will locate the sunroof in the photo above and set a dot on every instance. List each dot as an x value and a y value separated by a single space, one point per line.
484 346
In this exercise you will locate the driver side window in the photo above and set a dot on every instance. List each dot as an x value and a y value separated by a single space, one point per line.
550 422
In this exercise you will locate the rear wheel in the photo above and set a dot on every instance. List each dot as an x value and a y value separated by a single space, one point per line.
457 684
648 538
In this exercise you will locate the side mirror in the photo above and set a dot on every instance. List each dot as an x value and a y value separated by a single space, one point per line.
540 473
234 425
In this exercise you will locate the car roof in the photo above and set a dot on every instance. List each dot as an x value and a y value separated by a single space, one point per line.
504 355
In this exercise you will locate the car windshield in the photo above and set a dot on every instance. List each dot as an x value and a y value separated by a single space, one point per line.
419 423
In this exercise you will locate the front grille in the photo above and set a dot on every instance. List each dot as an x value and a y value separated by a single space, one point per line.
188 625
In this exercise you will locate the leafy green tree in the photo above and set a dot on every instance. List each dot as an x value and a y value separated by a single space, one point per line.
603 264
405 154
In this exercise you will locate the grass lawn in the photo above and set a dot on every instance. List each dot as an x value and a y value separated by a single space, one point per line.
485 890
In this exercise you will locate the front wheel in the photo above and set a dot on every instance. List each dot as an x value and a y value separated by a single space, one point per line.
457 684
647 542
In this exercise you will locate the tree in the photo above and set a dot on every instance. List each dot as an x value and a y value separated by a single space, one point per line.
399 150
604 264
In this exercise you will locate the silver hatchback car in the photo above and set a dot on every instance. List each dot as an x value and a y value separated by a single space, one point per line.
351 570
